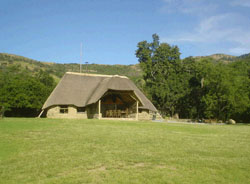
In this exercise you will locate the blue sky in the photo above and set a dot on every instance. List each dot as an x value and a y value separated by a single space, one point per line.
52 30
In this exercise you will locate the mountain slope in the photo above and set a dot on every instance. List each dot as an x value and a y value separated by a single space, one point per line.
244 56
218 57
57 70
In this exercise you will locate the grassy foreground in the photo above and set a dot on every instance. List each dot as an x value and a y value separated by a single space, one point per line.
98 151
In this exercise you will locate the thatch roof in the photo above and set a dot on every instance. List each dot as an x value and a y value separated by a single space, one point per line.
81 89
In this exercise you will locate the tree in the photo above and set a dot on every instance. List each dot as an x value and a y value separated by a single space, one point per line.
162 68
20 97
216 90
194 88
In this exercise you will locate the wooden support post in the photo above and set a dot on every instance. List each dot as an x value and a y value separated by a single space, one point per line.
40 114
137 104
99 109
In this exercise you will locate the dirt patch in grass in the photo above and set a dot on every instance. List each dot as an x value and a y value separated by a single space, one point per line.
97 169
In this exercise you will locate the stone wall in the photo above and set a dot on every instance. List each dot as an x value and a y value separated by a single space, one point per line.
54 112
145 115
92 113
158 116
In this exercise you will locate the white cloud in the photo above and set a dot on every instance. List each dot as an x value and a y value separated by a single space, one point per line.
244 3
209 30
218 29
221 25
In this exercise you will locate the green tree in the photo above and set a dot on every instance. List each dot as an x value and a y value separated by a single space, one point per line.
194 88
162 68
216 90
19 90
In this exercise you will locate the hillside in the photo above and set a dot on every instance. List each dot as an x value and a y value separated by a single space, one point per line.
218 57
244 56
57 70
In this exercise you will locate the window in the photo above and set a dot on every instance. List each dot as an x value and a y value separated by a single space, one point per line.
80 109
64 109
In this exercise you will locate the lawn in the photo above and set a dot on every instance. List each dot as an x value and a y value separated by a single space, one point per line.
99 151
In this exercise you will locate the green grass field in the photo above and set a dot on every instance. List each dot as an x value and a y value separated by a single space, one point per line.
99 151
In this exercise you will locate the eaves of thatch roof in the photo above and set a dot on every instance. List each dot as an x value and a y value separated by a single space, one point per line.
81 89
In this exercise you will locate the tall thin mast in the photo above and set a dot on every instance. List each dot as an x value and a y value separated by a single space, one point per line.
81 59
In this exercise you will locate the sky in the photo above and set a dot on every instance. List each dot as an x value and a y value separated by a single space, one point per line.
109 30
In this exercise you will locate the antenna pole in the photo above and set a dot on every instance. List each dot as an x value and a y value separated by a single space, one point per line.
86 66
81 59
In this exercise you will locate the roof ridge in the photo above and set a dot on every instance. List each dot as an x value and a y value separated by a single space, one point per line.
98 86
96 75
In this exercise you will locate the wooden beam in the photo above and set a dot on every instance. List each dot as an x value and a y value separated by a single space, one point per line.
135 98
132 97
40 114
99 109
137 105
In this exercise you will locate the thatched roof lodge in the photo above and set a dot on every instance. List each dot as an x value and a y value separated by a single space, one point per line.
80 95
